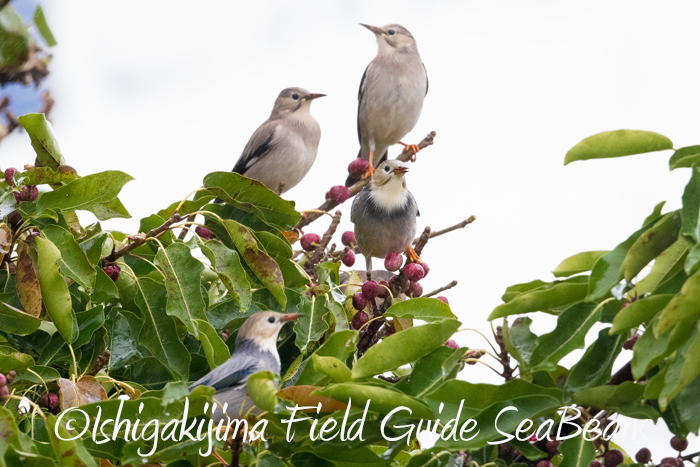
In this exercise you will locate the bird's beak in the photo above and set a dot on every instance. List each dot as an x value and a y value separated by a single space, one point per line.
400 170
310 97
374 29
290 317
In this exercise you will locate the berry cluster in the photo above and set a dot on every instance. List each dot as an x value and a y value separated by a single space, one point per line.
4 381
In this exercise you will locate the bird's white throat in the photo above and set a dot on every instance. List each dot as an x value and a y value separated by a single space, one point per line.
392 195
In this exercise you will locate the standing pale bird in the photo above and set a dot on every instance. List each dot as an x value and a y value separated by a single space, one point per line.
256 350
391 94
283 149
384 214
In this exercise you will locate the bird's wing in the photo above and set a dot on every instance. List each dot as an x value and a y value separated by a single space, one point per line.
231 374
259 145
415 203
359 100
427 83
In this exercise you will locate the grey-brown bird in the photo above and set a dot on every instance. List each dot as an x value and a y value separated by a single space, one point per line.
283 149
384 214
391 94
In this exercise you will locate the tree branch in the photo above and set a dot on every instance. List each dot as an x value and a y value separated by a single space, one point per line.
141 240
461 225
441 289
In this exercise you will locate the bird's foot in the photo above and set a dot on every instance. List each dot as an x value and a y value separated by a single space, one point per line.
411 147
370 172
412 255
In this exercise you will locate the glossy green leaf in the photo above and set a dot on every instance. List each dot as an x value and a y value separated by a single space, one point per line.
404 347
73 262
54 289
520 342
650 244
383 400
214 347
331 366
519 289
313 323
69 453
626 398
14 38
10 360
252 196
182 275
617 144
109 210
262 389
569 335
159 334
45 175
43 141
429 372
690 227
426 309
684 157
682 306
122 337
228 265
577 452
88 321
595 367
543 298
683 413
340 345
580 262
682 369
652 347
43 27
666 265
85 191
638 312
46 373
16 321
12 438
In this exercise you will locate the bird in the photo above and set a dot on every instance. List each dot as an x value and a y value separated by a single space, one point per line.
391 95
256 350
385 214
282 150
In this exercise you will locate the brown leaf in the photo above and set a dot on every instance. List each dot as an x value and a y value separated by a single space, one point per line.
5 239
301 396
292 236
85 391
27 282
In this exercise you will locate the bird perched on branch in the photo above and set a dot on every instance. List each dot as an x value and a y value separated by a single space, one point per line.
256 350
283 149
384 214
391 94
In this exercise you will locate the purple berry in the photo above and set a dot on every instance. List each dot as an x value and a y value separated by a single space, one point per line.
51 402
414 272
383 289
359 301
679 444
613 458
20 196
394 280
393 262
348 238
544 463
370 290
349 258
643 455
596 464
673 461
309 241
3 380
359 320
4 391
203 232
225 335
339 194
358 167
9 174
112 270
553 447
451 344
415 290
630 343
14 217
31 192
443 299
426 269
625 305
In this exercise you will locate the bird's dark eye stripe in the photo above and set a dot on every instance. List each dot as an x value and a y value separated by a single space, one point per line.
271 319
295 96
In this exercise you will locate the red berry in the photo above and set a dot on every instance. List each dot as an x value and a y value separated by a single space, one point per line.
14 217
613 458
643 455
414 272
50 401
393 262
31 192
339 194
9 174
359 320
426 268
451 344
370 290
349 258
443 299
553 447
3 380
20 196
630 343
672 461
415 290
358 167
666 464
596 464
383 289
4 391
225 335
348 238
545 464
532 439
203 232
679 444
112 270
309 241
359 301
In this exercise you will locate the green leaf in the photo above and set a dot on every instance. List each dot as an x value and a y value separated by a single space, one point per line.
85 191
45 175
14 38
68 453
47 374
617 144
73 262
426 309
519 289
666 265
577 452
580 262
638 312
122 334
682 306
595 367
252 196
404 347
182 281
683 413
12 437
652 347
331 366
264 267
690 227
262 390
520 342
214 347
650 244
109 210
228 266
43 27
340 345
54 289
543 298
313 323
428 372
88 322
15 321
158 333
683 368
383 400
16 361
43 141
684 157
626 399
569 335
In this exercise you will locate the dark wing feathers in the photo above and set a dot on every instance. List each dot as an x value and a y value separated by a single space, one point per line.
427 83
259 145
232 373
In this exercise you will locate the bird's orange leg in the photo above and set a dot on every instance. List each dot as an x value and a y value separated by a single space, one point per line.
371 169
412 147
412 255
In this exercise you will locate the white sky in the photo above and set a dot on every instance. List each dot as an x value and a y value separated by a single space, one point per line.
170 91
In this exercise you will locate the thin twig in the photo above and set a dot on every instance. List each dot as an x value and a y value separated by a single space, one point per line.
320 250
422 240
461 225
445 287
140 241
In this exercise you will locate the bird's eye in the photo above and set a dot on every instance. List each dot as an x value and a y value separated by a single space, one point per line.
391 32
271 319
386 168
295 96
